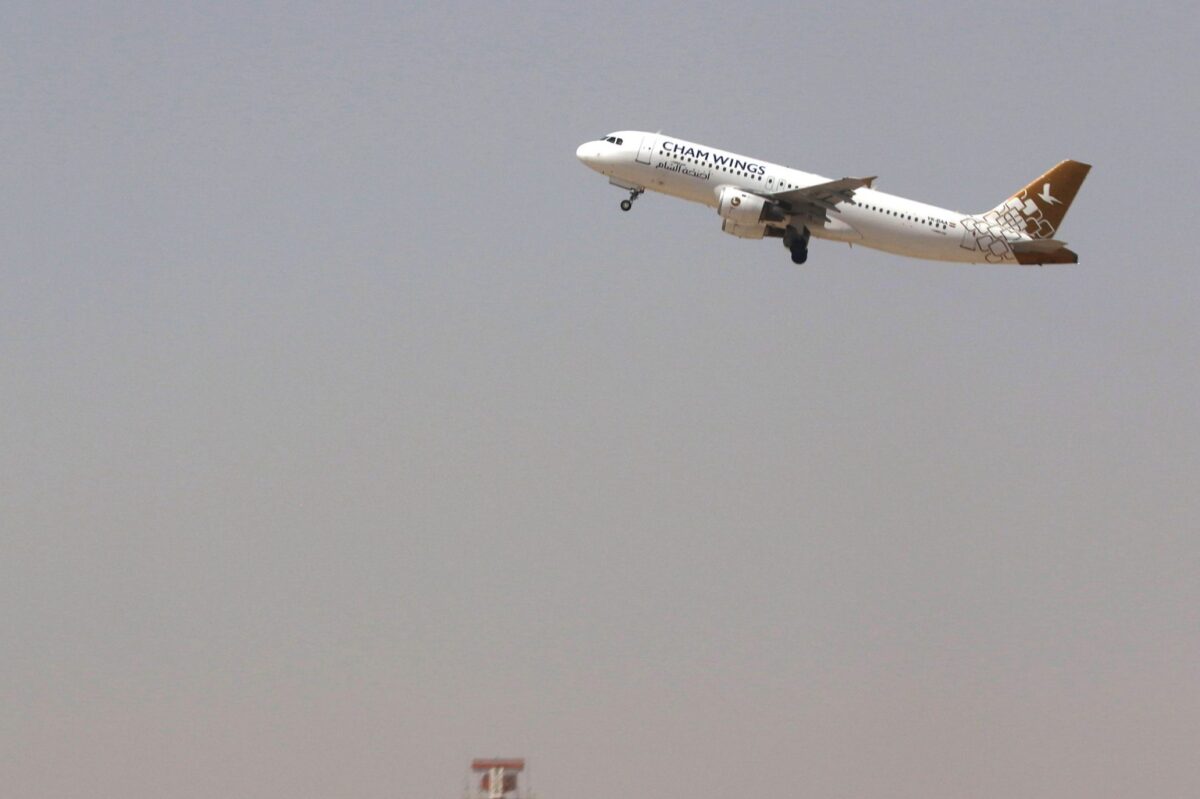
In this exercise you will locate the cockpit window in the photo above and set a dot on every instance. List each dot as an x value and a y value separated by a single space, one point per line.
611 139
620 141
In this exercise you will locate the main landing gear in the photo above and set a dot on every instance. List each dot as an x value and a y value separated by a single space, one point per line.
633 195
797 242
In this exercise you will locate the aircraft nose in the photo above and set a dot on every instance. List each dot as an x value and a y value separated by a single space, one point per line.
588 153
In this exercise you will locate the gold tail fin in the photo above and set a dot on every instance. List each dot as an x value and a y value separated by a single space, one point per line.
1038 209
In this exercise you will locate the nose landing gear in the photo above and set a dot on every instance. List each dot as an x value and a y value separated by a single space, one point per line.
633 195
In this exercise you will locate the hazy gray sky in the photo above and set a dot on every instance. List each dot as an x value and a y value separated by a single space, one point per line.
349 430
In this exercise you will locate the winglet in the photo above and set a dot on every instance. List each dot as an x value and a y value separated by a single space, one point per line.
854 183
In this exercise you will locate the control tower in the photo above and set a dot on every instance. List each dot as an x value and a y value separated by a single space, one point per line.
499 780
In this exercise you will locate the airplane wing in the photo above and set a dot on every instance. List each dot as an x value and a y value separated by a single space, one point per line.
815 202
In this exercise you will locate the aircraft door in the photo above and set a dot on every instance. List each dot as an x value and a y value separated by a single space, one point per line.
646 149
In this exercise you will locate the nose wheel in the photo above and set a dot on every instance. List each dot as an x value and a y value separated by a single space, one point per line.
633 195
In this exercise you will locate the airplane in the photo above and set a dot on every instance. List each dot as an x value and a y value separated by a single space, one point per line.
757 199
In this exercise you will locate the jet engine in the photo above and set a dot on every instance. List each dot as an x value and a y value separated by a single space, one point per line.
743 231
740 207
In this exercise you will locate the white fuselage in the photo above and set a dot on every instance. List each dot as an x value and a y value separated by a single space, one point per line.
696 172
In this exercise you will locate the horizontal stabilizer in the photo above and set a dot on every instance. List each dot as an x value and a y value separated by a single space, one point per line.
1033 257
1037 245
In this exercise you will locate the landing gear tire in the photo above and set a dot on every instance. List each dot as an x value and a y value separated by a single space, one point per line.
626 205
797 242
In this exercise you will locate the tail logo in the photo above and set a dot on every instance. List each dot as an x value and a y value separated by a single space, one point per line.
1028 214
1019 215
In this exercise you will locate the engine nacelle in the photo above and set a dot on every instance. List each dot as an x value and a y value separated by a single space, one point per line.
740 207
743 231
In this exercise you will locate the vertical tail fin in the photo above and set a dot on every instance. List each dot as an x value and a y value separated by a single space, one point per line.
1038 209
